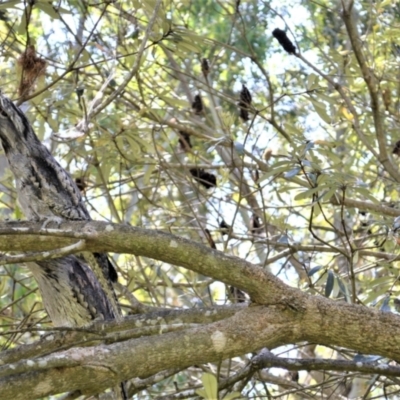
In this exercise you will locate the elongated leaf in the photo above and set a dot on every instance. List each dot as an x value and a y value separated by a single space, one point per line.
313 270
320 108
292 173
312 78
365 192
327 196
273 172
343 289
48 9
202 393
306 194
329 283
9 4
309 146
22 26
233 395
210 386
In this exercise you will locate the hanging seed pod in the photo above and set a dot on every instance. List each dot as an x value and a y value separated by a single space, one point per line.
255 224
205 66
244 103
197 105
396 149
284 41
184 141
243 113
294 376
204 178
267 154
79 91
245 95
224 228
81 184
210 239
255 175
3 16
387 98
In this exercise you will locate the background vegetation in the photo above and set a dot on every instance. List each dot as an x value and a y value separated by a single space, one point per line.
189 117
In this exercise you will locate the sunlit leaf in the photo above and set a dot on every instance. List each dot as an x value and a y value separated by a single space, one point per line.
48 9
210 383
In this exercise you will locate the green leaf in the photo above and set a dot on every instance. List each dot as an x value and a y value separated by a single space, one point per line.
274 171
327 195
9 4
233 395
320 108
149 168
134 148
173 101
312 79
343 289
202 393
21 30
210 386
48 9
317 210
166 278
366 193
307 193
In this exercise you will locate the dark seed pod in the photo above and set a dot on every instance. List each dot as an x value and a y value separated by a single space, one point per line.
210 239
387 98
244 103
243 113
204 178
284 41
80 182
255 224
267 154
197 104
294 376
236 295
3 16
79 91
224 228
205 66
396 149
245 95
255 175
184 141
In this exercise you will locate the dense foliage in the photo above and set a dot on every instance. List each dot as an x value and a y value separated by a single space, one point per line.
265 130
